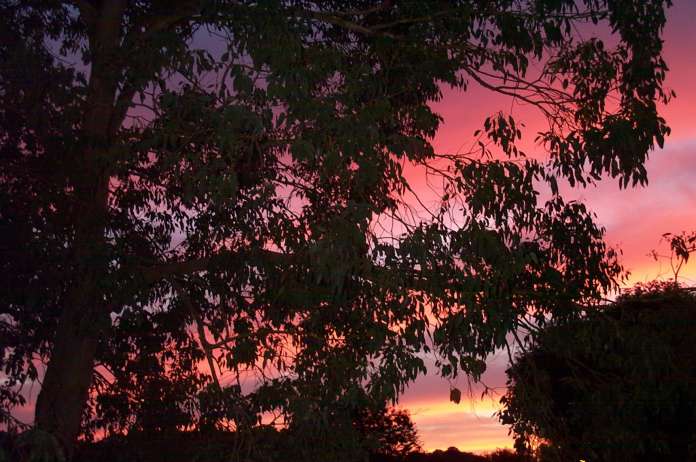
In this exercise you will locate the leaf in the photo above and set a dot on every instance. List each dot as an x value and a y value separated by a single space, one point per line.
455 395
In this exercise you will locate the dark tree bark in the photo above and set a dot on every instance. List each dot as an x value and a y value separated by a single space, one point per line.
85 315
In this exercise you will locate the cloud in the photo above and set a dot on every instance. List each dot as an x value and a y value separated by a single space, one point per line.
636 218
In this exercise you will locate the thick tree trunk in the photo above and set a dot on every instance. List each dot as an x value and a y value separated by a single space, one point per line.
85 315
65 388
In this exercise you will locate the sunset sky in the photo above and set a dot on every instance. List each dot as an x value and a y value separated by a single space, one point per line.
635 220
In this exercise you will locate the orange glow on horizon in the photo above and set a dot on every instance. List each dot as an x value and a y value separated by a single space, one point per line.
469 426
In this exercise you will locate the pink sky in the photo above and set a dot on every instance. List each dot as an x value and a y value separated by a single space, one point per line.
635 219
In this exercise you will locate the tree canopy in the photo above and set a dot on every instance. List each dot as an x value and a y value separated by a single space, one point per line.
204 202
618 384
388 432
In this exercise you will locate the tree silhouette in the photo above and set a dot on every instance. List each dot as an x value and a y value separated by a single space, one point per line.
616 384
682 245
216 173
388 432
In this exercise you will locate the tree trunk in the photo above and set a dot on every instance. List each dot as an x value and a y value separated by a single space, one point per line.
85 314
65 388
84 318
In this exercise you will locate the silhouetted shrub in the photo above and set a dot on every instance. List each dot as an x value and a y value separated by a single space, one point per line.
268 445
387 432
618 384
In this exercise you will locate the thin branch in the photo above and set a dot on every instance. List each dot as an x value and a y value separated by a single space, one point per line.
350 25
180 268
207 348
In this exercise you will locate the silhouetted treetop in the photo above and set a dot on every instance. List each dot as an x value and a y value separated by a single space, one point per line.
387 431
618 383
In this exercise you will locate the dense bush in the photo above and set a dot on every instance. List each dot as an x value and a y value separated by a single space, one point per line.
269 445
616 385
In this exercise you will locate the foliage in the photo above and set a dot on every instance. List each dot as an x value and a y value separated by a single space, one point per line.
218 448
381 433
264 445
387 431
197 189
617 384
453 454
682 245
31 446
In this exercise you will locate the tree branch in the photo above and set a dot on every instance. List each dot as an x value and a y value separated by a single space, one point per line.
164 270
350 25
207 348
